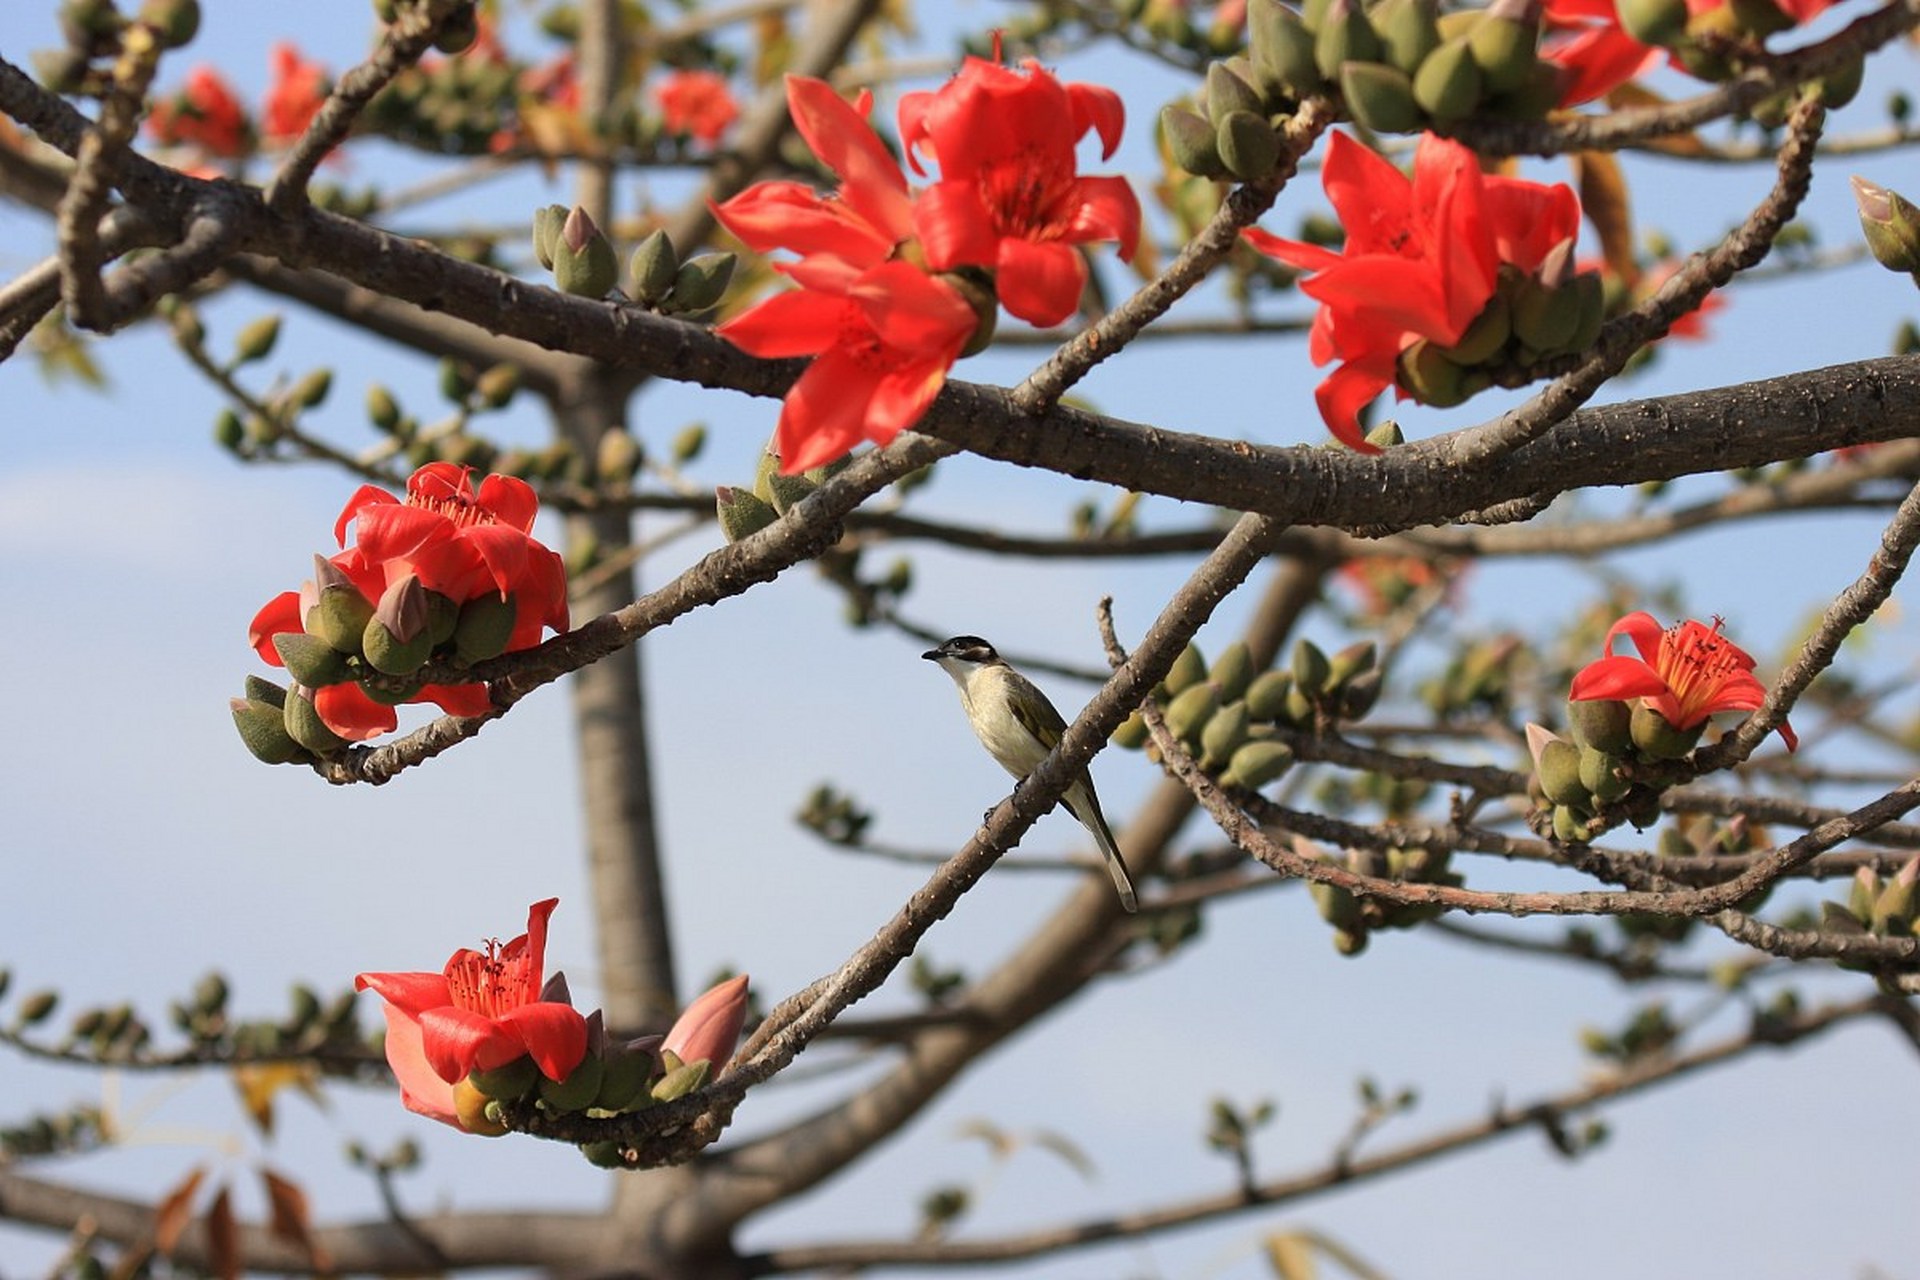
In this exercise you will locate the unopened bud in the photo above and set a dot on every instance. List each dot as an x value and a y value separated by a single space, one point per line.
1890 223
1506 47
681 1081
304 725
547 222
1655 22
484 626
1190 140
255 341
1232 671
1228 93
578 1090
1560 773
1598 775
1188 713
741 513
1188 669
1380 97
626 1072
497 386
1345 36
175 22
1224 734
263 731
1281 50
311 390
1267 695
1257 763
701 282
687 444
654 266
583 260
1603 724
1657 738
310 660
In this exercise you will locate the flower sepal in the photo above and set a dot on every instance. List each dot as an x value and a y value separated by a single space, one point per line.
507 1083
1658 738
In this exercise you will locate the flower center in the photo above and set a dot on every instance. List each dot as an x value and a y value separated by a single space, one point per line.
1695 662
1022 193
488 982
463 511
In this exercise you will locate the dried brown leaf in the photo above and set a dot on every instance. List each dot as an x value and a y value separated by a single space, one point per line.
292 1219
174 1212
1604 199
223 1238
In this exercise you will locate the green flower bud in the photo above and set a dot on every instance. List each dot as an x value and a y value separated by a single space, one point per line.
1655 22
577 1091
1409 31
617 458
701 282
36 1008
1231 671
583 260
623 1082
310 660
1546 318
304 726
1659 739
1487 335
459 30
1257 763
1248 145
654 266
788 491
1297 710
1842 84
1344 36
1429 377
483 627
1188 713
312 390
687 444
1281 50
1506 49
1351 661
1190 140
1380 97
1228 93
1224 734
255 341
741 513
1311 670
258 690
505 1084
382 410
681 1081
1131 733
1603 724
263 730
1761 18
340 618
1890 224
1569 824
1267 695
456 380
1597 775
1538 94
1560 773
1336 906
498 385
1358 695
228 431
546 229
1188 669
606 1154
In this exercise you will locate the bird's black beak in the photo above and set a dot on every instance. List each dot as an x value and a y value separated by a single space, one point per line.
933 655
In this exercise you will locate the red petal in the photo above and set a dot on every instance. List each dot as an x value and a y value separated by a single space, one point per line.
799 322
535 939
1378 298
555 1034
1105 209
421 1088
411 993
954 227
457 1041
510 500
456 699
1598 61
1040 282
348 711
503 550
1371 197
1644 630
1341 396
1100 109
440 482
1295 253
824 412
394 532
1618 678
365 496
871 182
912 314
787 215
278 616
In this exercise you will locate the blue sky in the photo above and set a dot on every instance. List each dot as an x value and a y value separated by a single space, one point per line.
147 847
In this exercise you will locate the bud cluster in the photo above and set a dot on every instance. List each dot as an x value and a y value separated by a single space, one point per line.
96 31
1882 908
1611 767
1718 42
382 646
456 32
1554 311
1354 919
615 1077
1400 66
1230 717
583 262
834 816
746 511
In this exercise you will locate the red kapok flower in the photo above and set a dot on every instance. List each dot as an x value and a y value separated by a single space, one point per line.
1586 40
863 222
884 338
448 539
1686 673
459 542
710 1026
1421 260
1009 197
205 113
299 88
696 104
481 1012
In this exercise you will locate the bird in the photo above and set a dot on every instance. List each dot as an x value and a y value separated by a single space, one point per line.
1020 728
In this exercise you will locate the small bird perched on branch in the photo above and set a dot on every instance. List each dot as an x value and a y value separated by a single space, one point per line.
1020 728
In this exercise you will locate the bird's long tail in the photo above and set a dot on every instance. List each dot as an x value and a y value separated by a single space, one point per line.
1087 810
